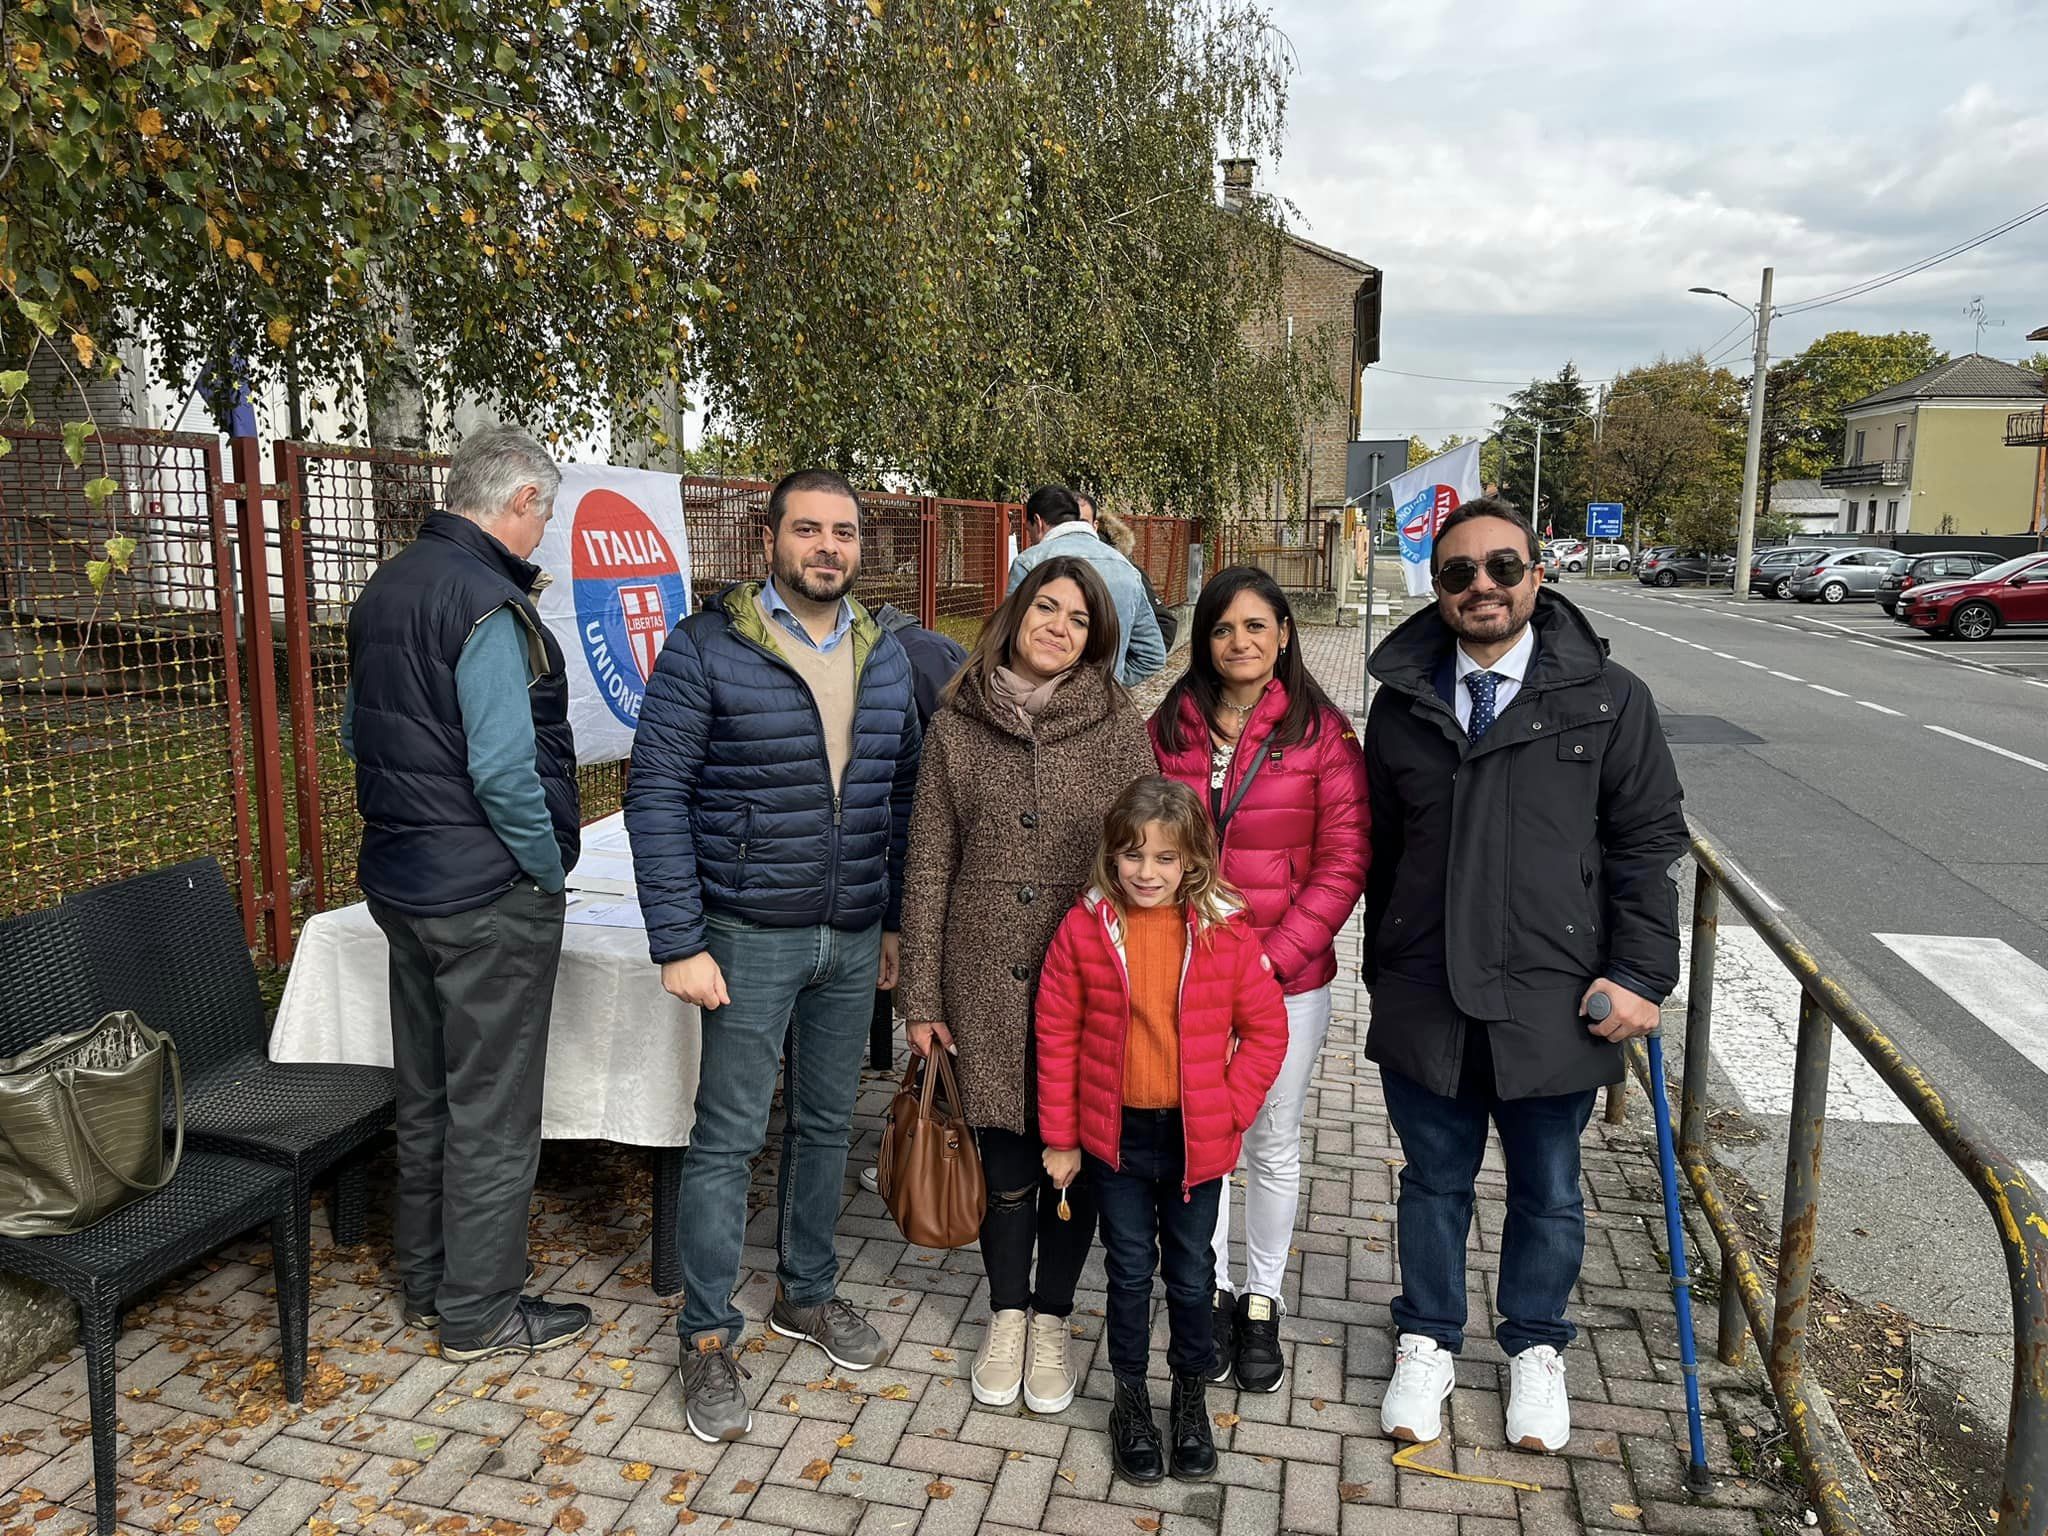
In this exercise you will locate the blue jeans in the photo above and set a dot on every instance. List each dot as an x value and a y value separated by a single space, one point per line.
1544 1241
801 997
1148 1228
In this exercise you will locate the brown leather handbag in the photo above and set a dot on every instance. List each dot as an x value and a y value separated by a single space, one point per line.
929 1170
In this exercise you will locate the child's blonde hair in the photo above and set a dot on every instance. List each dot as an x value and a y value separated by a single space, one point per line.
1178 809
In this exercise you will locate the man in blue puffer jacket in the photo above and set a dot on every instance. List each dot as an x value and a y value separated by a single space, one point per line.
768 804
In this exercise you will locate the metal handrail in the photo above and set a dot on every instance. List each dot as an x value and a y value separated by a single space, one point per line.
1843 1496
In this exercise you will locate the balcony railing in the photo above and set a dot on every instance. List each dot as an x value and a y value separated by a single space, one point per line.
2027 429
1877 472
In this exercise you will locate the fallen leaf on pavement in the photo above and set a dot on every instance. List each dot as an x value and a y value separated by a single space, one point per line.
1226 1421
895 1392
637 1471
745 1485
939 1490
816 1472
942 1354
788 1400
570 1518
1353 1493
1628 1511
845 1442
1145 1522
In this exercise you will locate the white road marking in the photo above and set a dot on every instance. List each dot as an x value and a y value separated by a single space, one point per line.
1895 713
1787 676
1756 1032
2007 992
1834 693
2018 757
1754 666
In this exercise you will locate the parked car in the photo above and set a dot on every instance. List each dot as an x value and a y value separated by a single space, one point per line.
1910 571
1606 557
1842 575
1771 570
2013 595
1698 567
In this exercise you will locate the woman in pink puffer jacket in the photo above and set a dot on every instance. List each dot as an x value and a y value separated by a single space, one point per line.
1280 768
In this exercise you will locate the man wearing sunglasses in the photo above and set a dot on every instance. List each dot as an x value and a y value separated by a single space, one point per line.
1525 818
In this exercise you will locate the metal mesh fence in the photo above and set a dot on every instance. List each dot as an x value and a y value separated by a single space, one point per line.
121 739
1161 552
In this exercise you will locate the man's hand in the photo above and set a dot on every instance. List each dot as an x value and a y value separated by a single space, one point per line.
1062 1167
892 959
1632 1015
696 980
923 1034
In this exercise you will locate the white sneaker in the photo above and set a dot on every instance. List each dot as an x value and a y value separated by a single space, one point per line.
1049 1379
999 1368
871 1179
1539 1410
1424 1374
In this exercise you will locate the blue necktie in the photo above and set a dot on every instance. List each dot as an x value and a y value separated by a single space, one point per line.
1485 688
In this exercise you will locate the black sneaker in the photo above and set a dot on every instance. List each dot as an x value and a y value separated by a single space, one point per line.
1223 1328
427 1317
1194 1448
1134 1444
535 1325
1260 1365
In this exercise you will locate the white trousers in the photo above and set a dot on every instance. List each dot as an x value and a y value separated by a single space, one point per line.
1272 1157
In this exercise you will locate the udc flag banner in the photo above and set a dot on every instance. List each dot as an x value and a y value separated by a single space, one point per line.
619 556
1423 498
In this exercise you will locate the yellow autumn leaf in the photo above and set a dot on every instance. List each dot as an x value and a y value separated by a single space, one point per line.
86 276
816 1472
637 1471
845 1442
1627 1511
939 1490
83 345
235 249
149 122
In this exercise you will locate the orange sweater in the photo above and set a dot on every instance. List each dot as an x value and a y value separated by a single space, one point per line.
1155 945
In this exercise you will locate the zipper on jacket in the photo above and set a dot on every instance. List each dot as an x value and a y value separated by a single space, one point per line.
1180 1059
1180 1066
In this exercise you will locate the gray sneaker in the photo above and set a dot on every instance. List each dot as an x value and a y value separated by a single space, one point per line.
713 1405
834 1327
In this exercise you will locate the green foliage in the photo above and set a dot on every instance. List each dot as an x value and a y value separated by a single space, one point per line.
1804 397
1565 409
983 250
1670 450
224 179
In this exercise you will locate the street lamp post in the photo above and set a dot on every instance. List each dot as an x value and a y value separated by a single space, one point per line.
1752 454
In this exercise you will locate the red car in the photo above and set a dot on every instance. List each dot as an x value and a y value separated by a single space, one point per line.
2009 596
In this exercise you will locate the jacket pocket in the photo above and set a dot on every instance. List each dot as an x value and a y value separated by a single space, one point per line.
739 879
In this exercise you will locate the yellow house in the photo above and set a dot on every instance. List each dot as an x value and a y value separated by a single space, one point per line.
1929 455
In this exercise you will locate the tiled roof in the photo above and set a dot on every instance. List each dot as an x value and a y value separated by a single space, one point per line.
1972 376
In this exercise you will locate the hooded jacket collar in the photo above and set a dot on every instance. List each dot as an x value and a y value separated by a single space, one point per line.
1568 649
470 536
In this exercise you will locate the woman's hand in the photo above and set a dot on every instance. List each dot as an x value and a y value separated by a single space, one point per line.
922 1035
1062 1167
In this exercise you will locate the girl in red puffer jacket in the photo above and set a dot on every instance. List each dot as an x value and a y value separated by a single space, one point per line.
1247 727
1159 1029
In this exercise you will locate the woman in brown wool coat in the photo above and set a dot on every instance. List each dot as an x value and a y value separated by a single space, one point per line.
1035 741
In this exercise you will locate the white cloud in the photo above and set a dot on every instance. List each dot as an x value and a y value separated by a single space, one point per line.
1543 180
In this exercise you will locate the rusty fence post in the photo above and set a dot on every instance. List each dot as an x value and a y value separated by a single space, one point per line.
296 559
1731 1327
928 562
1800 1229
259 646
223 551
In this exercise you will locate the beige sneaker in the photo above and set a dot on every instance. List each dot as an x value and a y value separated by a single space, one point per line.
1049 1379
999 1368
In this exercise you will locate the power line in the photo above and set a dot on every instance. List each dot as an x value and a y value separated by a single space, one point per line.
1885 279
1445 378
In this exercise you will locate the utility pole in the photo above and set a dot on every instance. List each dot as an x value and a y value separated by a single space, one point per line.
1745 530
1536 483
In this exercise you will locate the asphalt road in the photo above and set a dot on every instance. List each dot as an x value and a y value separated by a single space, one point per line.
1889 794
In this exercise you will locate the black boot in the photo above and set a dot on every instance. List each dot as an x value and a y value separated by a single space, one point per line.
1223 1328
1194 1448
1134 1443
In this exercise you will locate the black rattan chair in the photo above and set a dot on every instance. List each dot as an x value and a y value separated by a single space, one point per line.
169 944
46 986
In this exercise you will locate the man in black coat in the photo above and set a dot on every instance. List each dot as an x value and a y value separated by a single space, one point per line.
1525 818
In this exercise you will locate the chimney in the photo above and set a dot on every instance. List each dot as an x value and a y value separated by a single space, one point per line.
1237 182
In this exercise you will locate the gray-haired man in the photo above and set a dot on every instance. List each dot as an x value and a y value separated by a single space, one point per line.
458 720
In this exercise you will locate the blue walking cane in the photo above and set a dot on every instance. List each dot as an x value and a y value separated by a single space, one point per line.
1697 1478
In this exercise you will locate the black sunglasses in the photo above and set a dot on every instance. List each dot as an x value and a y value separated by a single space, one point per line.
1503 569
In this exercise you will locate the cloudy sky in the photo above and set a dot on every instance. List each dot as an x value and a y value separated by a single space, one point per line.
1543 179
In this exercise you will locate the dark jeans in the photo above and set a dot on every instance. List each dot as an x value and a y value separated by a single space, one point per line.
1544 1241
1149 1228
1023 1213
470 997
801 998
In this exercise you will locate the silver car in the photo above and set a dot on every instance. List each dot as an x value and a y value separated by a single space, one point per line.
1842 575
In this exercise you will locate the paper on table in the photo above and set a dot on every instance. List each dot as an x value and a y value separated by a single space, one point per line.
609 872
604 914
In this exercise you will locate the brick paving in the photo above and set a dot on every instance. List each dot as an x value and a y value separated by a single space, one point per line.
394 1440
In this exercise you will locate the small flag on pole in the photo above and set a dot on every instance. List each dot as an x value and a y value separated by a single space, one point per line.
1423 498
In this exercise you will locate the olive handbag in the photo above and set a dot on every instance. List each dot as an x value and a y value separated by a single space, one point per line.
929 1170
82 1126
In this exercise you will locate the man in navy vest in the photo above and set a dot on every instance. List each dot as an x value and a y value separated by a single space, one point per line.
458 721
773 772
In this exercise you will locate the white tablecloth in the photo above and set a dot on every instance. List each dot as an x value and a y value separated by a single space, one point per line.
622 1053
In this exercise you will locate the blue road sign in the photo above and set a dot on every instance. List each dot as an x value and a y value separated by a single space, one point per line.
1603 520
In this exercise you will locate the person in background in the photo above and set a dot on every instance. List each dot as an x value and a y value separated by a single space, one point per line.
1033 744
1053 516
1115 531
770 792
1525 817
1160 1028
457 718
1247 728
